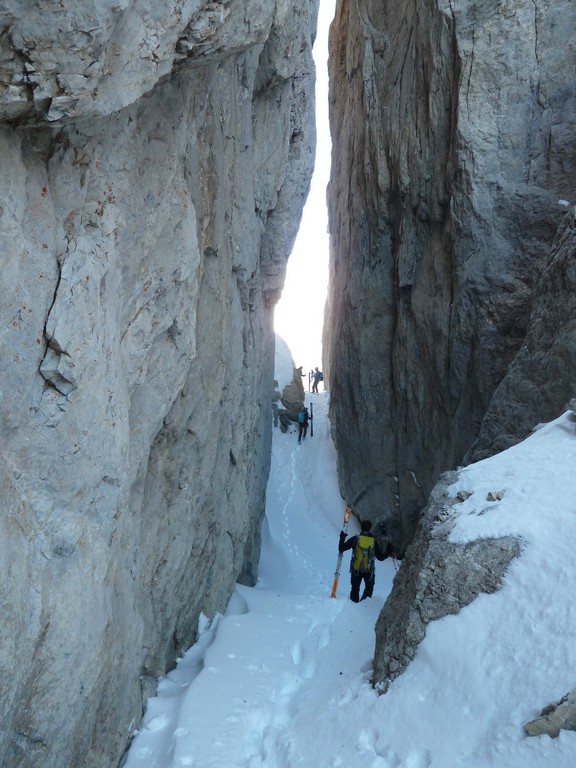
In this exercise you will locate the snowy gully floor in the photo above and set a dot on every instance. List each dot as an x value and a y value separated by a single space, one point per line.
282 680
252 691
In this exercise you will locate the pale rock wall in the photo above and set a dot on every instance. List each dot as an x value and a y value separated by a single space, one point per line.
453 131
155 161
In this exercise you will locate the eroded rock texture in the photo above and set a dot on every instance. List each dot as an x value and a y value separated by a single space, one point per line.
155 160
436 579
453 127
542 377
554 718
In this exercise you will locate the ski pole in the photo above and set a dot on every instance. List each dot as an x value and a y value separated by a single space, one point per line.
347 513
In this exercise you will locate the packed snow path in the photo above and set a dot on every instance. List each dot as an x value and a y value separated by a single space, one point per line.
282 680
263 670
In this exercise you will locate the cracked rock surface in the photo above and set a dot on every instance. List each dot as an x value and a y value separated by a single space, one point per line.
437 578
155 161
453 131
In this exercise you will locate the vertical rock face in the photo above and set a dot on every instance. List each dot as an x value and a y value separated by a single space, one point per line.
452 127
155 160
542 377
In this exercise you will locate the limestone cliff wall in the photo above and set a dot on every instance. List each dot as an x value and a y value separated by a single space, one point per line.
453 135
155 160
541 380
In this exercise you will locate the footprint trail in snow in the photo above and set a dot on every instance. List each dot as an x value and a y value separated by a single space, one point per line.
285 655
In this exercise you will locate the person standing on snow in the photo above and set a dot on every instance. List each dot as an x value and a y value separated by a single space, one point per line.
317 376
303 419
364 549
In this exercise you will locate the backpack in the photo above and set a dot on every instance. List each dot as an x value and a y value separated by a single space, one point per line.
363 556
301 417
321 377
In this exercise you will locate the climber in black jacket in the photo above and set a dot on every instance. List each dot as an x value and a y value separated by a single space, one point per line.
364 549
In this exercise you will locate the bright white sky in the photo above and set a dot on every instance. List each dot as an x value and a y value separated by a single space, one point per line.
283 679
299 315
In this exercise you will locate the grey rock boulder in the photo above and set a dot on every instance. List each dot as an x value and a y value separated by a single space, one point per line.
555 718
293 396
436 578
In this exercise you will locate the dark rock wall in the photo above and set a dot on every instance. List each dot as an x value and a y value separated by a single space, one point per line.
541 380
452 128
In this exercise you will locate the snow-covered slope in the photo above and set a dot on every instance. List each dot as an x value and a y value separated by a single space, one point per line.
283 679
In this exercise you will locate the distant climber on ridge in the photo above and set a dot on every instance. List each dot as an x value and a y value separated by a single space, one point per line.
316 376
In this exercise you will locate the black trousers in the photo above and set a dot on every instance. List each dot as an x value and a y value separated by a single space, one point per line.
356 580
